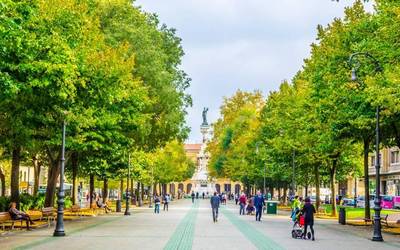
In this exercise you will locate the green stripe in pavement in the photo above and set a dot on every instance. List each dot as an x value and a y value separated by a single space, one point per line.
259 240
48 239
182 238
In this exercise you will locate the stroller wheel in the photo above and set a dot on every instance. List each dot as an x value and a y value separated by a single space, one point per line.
294 234
309 235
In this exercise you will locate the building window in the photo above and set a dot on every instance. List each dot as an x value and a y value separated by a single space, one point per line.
394 157
373 160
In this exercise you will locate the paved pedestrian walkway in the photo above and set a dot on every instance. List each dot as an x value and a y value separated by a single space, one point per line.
190 226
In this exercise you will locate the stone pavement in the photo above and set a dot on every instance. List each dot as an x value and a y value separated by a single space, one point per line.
190 226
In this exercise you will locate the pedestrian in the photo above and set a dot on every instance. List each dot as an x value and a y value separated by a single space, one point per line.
308 212
295 206
167 200
215 201
203 195
197 195
193 195
250 206
157 204
236 198
242 203
259 203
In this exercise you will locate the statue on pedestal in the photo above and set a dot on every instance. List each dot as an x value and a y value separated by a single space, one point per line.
205 110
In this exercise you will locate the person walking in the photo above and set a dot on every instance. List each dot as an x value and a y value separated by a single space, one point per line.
308 211
167 200
157 204
203 195
295 206
242 203
259 203
215 201
236 198
193 196
197 195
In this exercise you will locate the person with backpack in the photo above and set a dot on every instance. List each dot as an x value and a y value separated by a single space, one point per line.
157 204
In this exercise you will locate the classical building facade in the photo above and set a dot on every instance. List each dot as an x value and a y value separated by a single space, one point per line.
390 171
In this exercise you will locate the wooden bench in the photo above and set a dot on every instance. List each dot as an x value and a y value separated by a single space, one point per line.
321 211
76 209
5 219
393 218
49 214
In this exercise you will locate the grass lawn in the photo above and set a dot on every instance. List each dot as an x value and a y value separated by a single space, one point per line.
357 213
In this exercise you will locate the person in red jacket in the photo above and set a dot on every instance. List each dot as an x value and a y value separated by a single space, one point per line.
242 203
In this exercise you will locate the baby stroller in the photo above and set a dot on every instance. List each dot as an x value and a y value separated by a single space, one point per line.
298 228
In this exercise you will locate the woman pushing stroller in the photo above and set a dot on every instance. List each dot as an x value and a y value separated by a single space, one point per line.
308 212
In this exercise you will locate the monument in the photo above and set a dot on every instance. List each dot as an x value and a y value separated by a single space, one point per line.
201 180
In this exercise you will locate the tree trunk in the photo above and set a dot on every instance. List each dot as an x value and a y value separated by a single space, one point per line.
74 164
139 197
142 192
91 189
105 190
279 194
121 189
367 211
37 167
3 183
332 176
285 195
317 186
52 175
134 198
16 158
306 190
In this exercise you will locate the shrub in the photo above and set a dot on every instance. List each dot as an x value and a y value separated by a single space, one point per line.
4 203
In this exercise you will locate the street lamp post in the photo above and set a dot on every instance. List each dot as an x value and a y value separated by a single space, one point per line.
265 170
377 236
59 231
293 176
127 196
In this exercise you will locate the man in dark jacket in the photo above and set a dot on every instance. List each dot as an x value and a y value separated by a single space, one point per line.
215 201
193 195
259 203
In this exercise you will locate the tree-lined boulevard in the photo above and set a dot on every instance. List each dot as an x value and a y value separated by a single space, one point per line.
146 230
94 99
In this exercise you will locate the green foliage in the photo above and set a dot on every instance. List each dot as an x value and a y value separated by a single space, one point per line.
106 67
4 203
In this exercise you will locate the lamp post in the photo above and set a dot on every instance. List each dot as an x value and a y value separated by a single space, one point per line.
377 236
293 192
59 231
127 196
265 170
151 187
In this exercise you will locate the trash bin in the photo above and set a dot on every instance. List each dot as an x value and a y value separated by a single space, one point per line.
342 216
119 205
272 207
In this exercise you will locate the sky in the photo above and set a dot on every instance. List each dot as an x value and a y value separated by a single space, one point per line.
238 44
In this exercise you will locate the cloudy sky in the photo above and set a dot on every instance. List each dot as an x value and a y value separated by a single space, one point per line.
238 44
